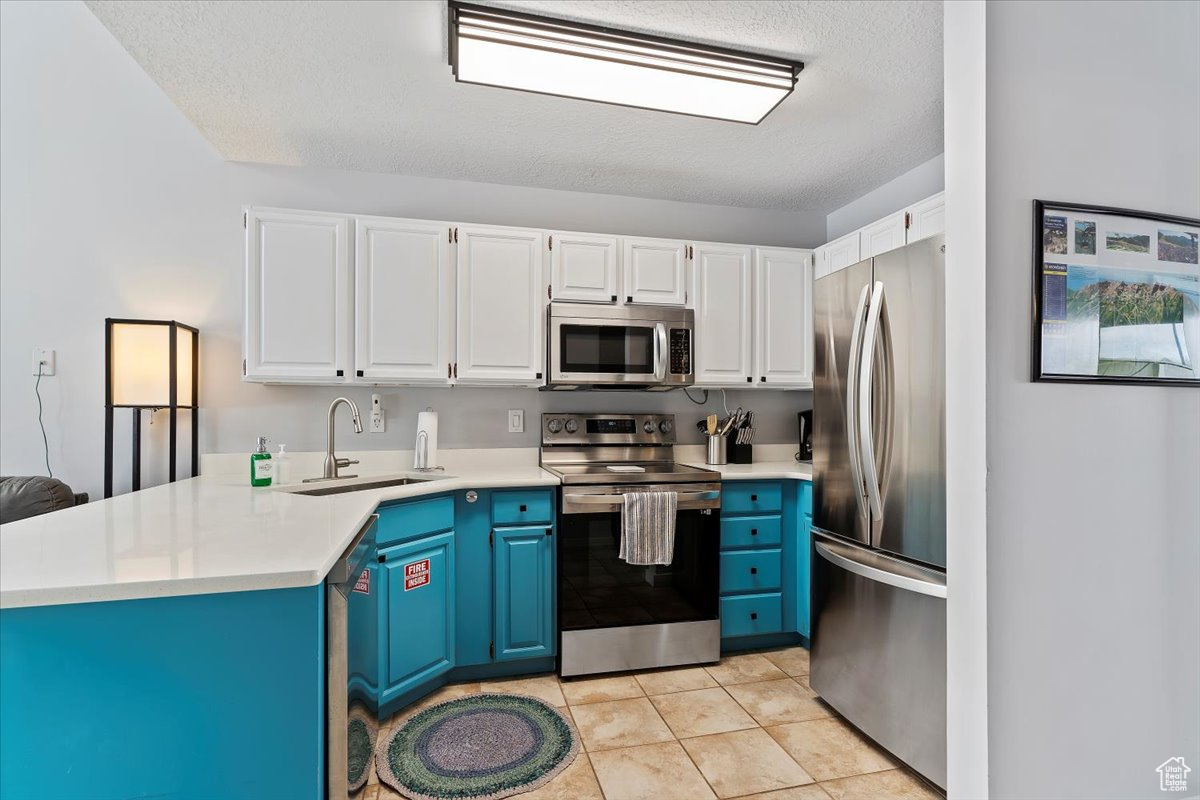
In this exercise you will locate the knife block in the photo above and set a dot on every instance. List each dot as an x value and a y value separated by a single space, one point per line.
740 453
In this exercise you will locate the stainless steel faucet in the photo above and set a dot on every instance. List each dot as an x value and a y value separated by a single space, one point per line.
332 462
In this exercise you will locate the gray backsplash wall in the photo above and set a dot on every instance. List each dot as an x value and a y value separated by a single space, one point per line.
478 417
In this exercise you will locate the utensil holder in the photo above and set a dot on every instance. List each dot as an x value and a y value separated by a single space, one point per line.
716 450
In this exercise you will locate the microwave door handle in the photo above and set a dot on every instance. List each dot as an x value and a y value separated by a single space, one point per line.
660 351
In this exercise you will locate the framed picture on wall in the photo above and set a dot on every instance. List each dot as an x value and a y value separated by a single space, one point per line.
1116 296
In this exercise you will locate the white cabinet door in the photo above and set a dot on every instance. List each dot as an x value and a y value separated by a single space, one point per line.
404 300
886 234
297 322
583 267
927 218
724 333
841 253
501 308
655 271
783 318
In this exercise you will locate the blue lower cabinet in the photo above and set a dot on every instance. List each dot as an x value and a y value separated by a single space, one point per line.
523 563
417 601
751 614
803 560
182 698
766 531
751 571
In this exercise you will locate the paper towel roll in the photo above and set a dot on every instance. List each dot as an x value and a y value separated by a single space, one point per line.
427 424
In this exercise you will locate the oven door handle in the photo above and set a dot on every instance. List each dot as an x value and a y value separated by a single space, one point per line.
617 500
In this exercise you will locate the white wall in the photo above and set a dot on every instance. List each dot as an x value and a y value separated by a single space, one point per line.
965 32
918 183
112 204
1093 491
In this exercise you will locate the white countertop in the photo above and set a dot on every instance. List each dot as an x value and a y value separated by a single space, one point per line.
216 533
213 534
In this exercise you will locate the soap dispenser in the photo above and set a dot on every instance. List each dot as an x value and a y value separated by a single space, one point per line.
260 464
283 466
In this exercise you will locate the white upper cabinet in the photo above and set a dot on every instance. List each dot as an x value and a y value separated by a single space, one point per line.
879 237
297 324
722 274
918 221
927 218
583 267
783 318
404 301
655 271
841 253
501 305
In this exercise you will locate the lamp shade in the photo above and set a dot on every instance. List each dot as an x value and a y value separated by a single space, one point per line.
141 371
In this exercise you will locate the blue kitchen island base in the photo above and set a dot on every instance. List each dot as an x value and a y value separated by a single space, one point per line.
175 698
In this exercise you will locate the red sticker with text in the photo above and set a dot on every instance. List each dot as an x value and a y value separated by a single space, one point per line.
416 575
363 584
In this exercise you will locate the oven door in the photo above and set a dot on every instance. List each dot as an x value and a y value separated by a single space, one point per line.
615 616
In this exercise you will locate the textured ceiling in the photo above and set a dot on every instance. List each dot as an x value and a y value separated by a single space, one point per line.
366 86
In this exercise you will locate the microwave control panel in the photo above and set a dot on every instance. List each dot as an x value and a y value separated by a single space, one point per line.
681 351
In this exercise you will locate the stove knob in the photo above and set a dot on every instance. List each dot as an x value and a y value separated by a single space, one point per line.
648 426
554 425
572 426
665 426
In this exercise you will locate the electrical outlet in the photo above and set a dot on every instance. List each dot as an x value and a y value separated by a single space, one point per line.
378 420
43 361
516 420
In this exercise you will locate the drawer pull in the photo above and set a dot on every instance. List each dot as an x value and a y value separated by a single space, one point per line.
754 531
524 508
754 570
753 615
753 498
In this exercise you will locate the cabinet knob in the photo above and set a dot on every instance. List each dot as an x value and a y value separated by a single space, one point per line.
754 570
754 531
524 508
753 498
472 496
753 615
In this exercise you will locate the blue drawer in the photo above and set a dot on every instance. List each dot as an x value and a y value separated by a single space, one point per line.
752 614
741 532
751 571
751 497
522 507
404 521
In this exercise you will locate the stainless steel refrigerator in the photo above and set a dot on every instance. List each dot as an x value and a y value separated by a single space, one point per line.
879 504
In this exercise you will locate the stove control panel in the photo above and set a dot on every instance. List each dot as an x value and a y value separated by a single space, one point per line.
608 429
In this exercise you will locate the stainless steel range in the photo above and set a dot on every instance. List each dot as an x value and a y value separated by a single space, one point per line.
615 616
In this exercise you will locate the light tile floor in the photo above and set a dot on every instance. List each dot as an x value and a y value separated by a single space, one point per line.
748 728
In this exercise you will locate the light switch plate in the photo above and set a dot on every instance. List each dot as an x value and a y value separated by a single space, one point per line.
516 420
44 359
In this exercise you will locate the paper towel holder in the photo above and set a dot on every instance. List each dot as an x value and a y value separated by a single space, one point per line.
422 451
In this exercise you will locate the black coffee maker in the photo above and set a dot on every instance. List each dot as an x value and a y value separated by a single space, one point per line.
805 419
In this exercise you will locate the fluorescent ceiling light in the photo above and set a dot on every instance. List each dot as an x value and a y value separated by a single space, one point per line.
502 48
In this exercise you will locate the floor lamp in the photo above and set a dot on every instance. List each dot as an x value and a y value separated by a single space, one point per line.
149 364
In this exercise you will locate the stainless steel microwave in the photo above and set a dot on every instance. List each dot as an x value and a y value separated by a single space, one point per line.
629 347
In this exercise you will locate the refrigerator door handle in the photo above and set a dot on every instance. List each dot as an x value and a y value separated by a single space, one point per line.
866 422
882 569
852 393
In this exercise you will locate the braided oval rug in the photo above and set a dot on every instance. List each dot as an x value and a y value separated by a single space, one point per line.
480 747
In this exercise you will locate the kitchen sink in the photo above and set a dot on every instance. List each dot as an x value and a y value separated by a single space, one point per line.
321 491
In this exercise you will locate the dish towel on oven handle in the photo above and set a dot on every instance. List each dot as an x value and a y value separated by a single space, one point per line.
648 528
